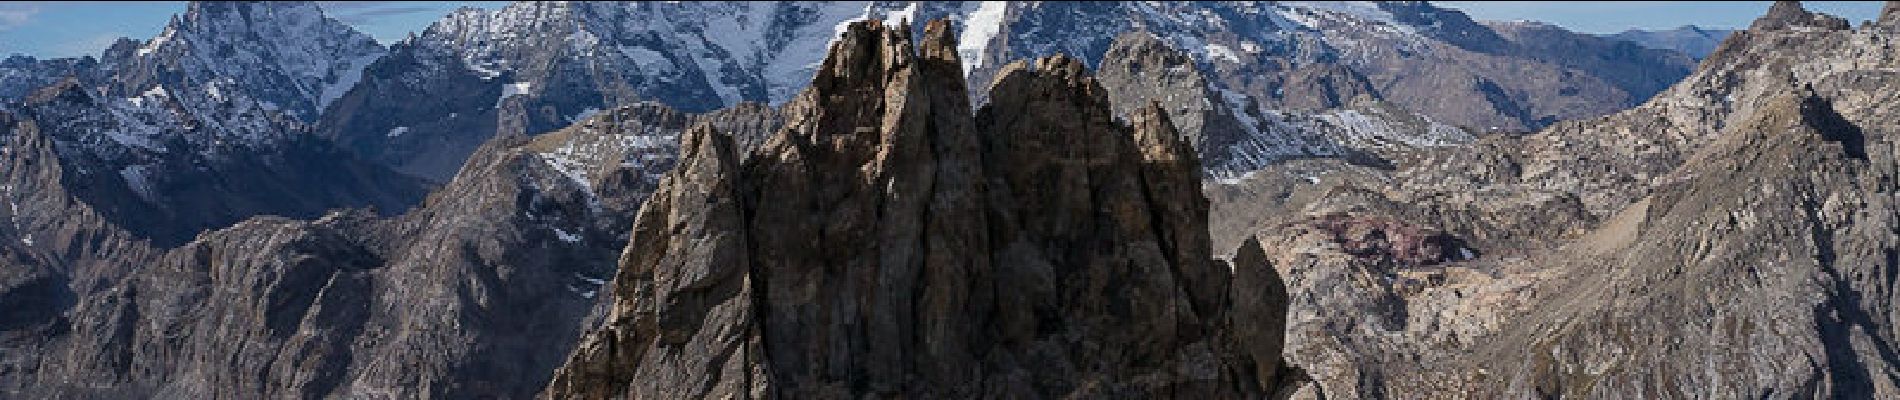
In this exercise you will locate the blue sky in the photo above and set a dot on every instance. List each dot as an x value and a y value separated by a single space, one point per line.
73 28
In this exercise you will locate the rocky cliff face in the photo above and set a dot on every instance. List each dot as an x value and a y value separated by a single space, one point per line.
887 242
1234 139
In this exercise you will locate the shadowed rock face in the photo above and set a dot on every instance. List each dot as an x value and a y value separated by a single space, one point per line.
886 242
480 291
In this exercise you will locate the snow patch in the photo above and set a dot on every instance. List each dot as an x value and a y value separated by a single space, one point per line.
1221 51
896 19
512 90
565 236
978 29
1367 10
154 92
564 161
151 46
591 280
484 71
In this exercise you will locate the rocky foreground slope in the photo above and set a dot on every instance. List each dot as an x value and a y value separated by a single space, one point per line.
478 292
1733 237
889 243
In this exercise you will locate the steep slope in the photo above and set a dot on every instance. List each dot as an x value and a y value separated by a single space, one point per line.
287 56
1776 237
1233 139
535 66
480 291
200 127
1730 238
888 243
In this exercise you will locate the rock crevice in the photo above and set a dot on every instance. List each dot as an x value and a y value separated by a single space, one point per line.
888 242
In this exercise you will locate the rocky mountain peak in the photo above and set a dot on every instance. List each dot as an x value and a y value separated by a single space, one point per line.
67 90
1788 14
861 252
288 55
1889 15
865 57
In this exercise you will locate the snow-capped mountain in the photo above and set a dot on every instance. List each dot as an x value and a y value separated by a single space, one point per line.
1317 55
533 67
205 124
286 55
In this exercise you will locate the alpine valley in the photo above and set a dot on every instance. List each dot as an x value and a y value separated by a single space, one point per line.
1094 200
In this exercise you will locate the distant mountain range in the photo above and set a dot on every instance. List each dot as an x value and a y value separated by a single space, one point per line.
1689 39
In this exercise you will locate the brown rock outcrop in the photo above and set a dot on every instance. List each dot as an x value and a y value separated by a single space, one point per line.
888 243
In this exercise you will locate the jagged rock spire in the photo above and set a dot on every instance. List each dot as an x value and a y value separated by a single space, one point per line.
889 243
1788 14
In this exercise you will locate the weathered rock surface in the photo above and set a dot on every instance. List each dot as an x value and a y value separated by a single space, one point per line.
205 125
1234 137
1730 238
888 243
481 291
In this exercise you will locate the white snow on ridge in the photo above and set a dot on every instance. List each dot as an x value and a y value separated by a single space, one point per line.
1367 10
978 29
154 92
565 161
163 37
896 19
565 236
590 280
1219 51
512 90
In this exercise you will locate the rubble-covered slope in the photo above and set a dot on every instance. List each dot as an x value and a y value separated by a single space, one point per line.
1729 238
